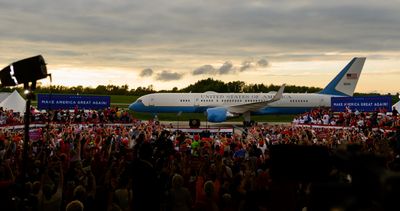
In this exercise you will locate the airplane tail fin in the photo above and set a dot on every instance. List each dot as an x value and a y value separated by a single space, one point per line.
279 94
345 82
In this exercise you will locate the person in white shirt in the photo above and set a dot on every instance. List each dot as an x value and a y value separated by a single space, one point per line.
325 119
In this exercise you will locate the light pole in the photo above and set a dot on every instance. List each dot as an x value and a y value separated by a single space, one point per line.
205 114
29 96
178 115
26 72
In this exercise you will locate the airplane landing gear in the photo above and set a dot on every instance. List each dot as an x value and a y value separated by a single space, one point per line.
249 123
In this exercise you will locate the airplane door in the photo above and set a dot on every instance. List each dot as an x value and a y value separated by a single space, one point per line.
151 102
197 102
321 102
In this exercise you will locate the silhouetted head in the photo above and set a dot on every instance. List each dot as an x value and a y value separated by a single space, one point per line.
177 181
80 193
75 205
48 190
145 151
209 188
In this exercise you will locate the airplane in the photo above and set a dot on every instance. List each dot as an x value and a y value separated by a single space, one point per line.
220 106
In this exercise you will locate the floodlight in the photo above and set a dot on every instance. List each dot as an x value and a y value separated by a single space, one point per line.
24 71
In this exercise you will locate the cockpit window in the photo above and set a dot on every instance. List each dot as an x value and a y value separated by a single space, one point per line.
139 100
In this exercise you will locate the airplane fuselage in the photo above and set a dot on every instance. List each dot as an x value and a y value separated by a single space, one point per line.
290 103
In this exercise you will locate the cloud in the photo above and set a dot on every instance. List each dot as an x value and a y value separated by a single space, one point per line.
226 68
166 75
262 63
205 69
245 65
146 72
353 25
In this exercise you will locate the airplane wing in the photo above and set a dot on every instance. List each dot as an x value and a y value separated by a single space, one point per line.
242 108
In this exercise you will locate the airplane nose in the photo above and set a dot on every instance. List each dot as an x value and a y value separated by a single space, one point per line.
132 106
137 106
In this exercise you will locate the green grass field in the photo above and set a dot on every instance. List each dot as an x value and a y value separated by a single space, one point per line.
123 101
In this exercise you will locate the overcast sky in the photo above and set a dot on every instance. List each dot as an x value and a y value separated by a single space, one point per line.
173 43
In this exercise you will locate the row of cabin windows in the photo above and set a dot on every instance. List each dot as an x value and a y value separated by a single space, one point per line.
236 101
252 101
246 101
299 101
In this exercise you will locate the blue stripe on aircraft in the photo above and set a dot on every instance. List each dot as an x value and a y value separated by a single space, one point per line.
282 110
330 88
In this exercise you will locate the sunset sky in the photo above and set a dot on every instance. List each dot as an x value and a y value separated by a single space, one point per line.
174 43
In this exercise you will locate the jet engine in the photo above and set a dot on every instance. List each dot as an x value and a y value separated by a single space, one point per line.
218 114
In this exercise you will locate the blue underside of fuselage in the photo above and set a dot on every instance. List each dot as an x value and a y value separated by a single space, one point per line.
282 110
139 107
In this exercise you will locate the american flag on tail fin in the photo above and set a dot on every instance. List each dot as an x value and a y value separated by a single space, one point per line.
351 75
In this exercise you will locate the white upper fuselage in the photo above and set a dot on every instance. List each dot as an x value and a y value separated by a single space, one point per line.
199 102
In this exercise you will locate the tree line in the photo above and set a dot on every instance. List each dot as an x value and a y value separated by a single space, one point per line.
204 85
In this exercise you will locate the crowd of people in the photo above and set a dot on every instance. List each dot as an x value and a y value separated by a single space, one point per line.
145 165
350 118
62 116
